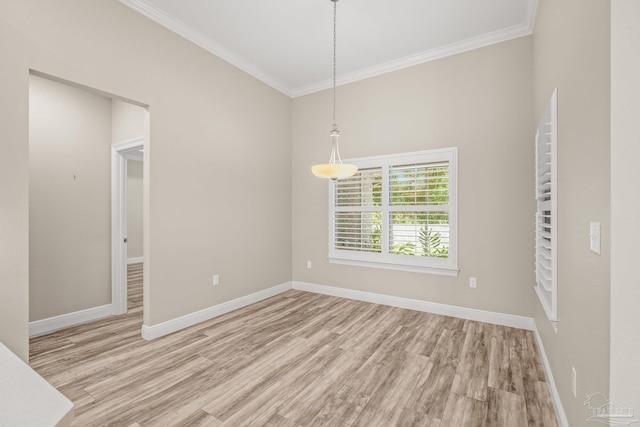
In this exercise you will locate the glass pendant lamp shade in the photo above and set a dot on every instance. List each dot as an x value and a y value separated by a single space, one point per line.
335 169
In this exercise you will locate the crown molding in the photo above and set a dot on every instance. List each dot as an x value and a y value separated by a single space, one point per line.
488 39
178 27
206 43
532 13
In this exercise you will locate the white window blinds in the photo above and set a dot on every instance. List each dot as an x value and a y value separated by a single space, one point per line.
357 219
546 215
419 210
397 212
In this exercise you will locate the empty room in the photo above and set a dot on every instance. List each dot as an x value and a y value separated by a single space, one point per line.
319 213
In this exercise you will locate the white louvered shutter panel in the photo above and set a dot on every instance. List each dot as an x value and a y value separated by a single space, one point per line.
419 210
357 216
398 212
546 215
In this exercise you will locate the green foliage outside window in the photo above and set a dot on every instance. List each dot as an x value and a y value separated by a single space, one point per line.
415 233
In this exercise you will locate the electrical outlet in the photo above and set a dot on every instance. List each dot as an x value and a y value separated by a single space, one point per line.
216 280
473 282
309 264
574 380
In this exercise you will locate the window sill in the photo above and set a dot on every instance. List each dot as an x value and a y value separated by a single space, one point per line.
440 271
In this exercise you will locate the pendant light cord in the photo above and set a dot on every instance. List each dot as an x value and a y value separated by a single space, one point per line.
335 3
335 169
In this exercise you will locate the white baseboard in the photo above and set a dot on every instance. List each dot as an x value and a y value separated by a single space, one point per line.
135 260
170 326
511 320
52 324
555 396
174 325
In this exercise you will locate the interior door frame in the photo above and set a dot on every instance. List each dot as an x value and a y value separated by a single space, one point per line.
119 154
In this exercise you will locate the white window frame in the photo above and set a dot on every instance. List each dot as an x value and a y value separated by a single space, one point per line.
420 264
547 201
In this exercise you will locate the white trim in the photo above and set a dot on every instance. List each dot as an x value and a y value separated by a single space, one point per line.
438 153
119 154
532 13
472 43
174 325
206 43
514 321
510 320
548 298
180 28
52 324
444 271
385 258
135 260
542 298
502 319
135 155
555 396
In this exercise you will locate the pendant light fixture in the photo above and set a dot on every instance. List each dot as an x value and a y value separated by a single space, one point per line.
335 169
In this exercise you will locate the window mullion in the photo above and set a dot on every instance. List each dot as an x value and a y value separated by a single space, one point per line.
361 210
385 210
332 216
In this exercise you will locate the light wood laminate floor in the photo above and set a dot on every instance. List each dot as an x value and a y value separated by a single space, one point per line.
299 359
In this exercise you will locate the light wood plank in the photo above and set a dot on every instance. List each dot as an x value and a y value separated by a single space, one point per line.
298 360
463 411
505 409
472 374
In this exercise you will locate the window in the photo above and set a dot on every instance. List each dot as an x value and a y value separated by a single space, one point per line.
546 222
397 212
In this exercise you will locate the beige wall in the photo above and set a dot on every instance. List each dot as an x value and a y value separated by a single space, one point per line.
14 188
128 121
479 101
69 199
212 126
214 205
134 208
571 52
625 202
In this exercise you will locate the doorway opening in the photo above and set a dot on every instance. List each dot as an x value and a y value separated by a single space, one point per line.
127 160
78 136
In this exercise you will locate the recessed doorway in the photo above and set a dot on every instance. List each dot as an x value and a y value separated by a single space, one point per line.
72 132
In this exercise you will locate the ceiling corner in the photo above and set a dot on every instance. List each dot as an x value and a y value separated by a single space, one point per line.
206 43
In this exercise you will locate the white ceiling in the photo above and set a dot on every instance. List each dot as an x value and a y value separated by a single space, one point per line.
288 43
